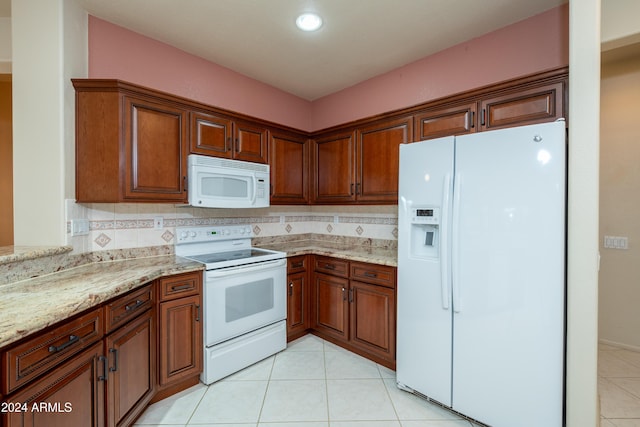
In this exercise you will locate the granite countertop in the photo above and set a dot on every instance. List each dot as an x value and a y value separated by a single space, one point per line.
31 305
351 252
22 253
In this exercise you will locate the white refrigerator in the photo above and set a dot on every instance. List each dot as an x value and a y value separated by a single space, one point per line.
481 274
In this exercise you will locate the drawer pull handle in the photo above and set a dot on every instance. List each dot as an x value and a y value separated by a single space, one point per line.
351 295
115 359
290 288
197 313
330 266
297 264
72 340
137 304
370 274
104 360
180 287
344 296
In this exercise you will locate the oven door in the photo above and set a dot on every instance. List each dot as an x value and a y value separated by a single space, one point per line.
242 299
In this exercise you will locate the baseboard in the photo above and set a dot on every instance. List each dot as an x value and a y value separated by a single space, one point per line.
619 345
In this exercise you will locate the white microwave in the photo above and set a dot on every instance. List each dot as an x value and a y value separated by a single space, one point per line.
223 183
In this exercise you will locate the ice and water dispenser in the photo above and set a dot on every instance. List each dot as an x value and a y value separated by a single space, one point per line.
425 232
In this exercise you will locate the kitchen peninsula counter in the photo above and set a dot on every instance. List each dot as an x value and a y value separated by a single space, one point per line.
30 305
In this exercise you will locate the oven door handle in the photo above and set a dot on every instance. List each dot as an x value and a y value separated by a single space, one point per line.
247 268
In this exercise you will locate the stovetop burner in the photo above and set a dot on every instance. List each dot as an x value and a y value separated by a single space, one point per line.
241 254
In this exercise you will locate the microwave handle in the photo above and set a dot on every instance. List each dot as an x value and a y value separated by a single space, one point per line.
255 188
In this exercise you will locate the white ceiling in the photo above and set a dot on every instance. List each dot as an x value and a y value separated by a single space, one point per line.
359 39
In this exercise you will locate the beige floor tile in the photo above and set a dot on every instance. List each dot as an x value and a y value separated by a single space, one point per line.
231 402
297 400
176 409
359 400
299 365
346 365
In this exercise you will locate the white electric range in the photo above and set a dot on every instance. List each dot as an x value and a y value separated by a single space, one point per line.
244 297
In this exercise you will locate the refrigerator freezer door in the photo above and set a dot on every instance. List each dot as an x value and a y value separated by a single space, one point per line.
424 313
510 247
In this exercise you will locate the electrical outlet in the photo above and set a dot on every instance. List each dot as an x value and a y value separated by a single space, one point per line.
158 223
79 227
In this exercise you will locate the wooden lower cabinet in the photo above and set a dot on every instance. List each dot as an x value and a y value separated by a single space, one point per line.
131 354
372 318
297 297
358 311
70 395
331 306
180 339
102 367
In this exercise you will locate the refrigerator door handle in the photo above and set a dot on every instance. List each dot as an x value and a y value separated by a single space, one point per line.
455 242
445 265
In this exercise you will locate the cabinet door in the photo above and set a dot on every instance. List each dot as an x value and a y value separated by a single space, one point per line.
180 339
131 353
211 135
250 143
334 169
372 318
439 122
378 160
524 107
331 306
289 161
69 395
155 151
297 305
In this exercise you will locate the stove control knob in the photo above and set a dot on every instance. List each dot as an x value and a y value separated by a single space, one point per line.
192 234
227 232
242 231
183 235
248 230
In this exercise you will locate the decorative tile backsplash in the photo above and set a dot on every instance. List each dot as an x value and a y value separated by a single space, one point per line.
128 225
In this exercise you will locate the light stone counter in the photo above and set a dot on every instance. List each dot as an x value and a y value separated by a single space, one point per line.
30 305
352 251
22 253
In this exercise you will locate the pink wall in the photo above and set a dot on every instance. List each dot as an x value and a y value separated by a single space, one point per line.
535 44
115 52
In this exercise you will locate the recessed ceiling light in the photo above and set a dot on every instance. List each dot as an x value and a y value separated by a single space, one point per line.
309 22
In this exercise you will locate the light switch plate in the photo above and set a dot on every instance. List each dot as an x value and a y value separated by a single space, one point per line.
616 242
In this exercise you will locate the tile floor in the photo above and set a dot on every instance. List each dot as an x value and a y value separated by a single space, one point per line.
311 384
619 387
314 383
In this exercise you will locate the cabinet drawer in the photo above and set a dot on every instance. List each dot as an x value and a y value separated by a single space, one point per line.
46 350
332 266
373 273
180 285
127 307
296 264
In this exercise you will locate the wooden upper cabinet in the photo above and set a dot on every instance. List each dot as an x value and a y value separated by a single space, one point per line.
129 148
250 142
156 158
445 121
526 106
378 159
211 135
289 161
334 168
218 136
